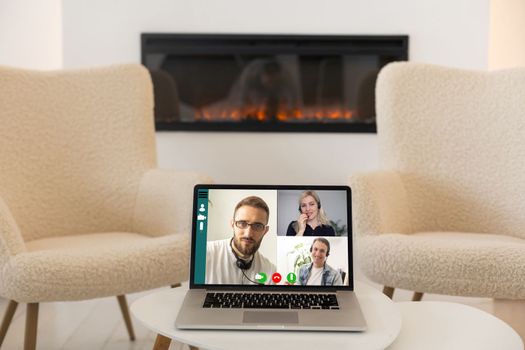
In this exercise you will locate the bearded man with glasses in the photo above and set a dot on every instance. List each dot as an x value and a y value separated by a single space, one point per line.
237 260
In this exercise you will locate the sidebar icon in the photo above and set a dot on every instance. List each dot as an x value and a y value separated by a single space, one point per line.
201 228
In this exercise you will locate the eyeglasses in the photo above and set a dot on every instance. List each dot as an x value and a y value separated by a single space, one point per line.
256 226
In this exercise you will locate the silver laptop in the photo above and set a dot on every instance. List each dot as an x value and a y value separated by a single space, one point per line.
271 257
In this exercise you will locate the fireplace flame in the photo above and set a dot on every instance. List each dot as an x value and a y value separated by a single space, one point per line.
262 114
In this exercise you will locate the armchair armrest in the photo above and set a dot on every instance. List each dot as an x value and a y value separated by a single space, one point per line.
164 201
11 240
379 203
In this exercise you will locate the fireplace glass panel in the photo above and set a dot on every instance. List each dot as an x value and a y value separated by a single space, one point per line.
278 85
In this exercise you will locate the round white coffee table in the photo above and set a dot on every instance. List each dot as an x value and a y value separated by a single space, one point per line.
158 312
434 325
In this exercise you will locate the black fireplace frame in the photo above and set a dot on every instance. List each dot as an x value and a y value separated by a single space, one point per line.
391 45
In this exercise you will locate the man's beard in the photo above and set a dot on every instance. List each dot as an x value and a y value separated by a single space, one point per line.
248 251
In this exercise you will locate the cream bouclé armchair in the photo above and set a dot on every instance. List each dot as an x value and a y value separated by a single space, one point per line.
84 213
446 214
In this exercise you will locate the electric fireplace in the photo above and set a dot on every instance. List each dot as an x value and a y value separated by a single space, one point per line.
307 83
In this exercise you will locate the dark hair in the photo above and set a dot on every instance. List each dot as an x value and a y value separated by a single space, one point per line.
255 202
324 241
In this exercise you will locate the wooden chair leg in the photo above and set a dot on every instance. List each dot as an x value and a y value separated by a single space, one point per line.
125 312
417 296
388 291
31 326
8 317
162 342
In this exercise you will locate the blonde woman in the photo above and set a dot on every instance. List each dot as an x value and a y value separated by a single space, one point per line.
312 220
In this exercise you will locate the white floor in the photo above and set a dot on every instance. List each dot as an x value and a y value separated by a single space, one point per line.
98 324
83 325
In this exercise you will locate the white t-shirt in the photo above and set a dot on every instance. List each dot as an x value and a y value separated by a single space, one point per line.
221 267
315 276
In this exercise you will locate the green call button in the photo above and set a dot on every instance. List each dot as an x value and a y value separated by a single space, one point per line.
261 277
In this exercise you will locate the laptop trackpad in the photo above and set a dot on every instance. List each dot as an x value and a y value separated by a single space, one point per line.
270 317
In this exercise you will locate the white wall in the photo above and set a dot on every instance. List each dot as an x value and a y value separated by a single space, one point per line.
507 34
31 33
447 32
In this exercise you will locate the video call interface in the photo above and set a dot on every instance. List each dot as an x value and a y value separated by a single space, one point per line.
272 237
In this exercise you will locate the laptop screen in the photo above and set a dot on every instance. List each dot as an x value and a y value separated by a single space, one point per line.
272 237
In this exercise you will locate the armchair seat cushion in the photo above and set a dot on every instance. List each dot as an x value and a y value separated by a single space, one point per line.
80 267
454 263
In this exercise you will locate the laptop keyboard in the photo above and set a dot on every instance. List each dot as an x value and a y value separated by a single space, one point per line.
235 300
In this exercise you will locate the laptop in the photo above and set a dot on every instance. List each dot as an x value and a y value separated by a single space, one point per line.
273 258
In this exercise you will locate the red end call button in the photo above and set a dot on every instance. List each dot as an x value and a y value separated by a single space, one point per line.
276 277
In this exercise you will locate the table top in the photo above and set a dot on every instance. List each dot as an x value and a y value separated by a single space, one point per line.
158 312
429 325
436 325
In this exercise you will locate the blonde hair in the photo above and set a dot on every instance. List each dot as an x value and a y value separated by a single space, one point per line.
321 215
